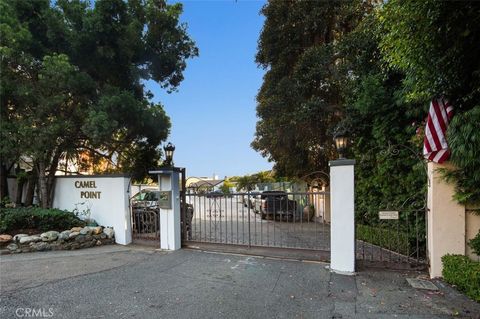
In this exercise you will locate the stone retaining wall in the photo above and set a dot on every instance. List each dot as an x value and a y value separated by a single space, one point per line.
74 238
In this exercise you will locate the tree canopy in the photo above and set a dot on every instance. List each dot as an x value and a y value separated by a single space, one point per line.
249 182
370 68
436 45
72 81
300 100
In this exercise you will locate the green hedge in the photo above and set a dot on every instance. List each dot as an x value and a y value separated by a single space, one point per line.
384 237
464 273
475 244
37 218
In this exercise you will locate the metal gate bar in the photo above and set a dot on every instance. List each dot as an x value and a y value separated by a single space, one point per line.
399 241
145 223
273 219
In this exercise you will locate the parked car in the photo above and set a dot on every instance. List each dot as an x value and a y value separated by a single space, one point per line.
276 205
145 209
146 198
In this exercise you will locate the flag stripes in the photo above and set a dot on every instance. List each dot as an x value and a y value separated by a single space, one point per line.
435 146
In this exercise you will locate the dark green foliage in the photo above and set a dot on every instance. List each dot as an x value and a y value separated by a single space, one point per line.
72 82
300 100
321 75
464 139
37 218
464 273
475 244
374 71
436 45
390 172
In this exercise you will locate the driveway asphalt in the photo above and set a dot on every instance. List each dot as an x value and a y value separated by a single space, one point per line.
139 282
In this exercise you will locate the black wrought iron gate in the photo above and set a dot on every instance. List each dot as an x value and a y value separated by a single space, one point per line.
394 237
145 222
395 234
275 219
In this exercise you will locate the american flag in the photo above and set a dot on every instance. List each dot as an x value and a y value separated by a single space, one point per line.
435 147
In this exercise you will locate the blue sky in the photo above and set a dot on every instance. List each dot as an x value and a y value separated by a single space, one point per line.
213 113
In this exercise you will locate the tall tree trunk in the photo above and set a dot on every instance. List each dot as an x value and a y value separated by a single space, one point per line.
42 179
3 181
19 194
51 177
32 182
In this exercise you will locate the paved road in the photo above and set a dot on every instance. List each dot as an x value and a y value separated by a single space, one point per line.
132 282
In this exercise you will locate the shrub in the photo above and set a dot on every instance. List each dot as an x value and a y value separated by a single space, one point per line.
464 273
464 141
475 244
37 218
384 237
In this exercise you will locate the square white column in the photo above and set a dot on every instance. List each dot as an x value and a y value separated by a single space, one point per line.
170 236
342 225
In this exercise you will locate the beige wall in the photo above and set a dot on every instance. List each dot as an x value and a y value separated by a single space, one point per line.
445 221
449 225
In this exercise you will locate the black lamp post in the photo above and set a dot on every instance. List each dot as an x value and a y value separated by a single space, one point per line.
169 149
341 143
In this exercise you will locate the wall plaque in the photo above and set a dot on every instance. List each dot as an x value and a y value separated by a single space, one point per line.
388 214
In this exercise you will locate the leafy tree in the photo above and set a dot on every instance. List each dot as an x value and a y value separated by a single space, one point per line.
300 101
249 182
344 82
464 140
225 187
435 43
390 172
72 81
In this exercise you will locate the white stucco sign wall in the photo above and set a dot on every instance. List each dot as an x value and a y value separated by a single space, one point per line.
106 196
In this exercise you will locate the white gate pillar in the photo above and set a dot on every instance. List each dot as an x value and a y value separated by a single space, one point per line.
169 203
342 225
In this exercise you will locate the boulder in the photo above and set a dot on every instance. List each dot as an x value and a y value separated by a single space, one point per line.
30 239
56 246
87 244
18 236
86 231
109 232
80 238
12 247
41 246
64 235
99 243
26 249
73 234
97 230
50 235
4 238
76 229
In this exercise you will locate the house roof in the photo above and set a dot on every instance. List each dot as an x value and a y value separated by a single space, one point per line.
205 183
